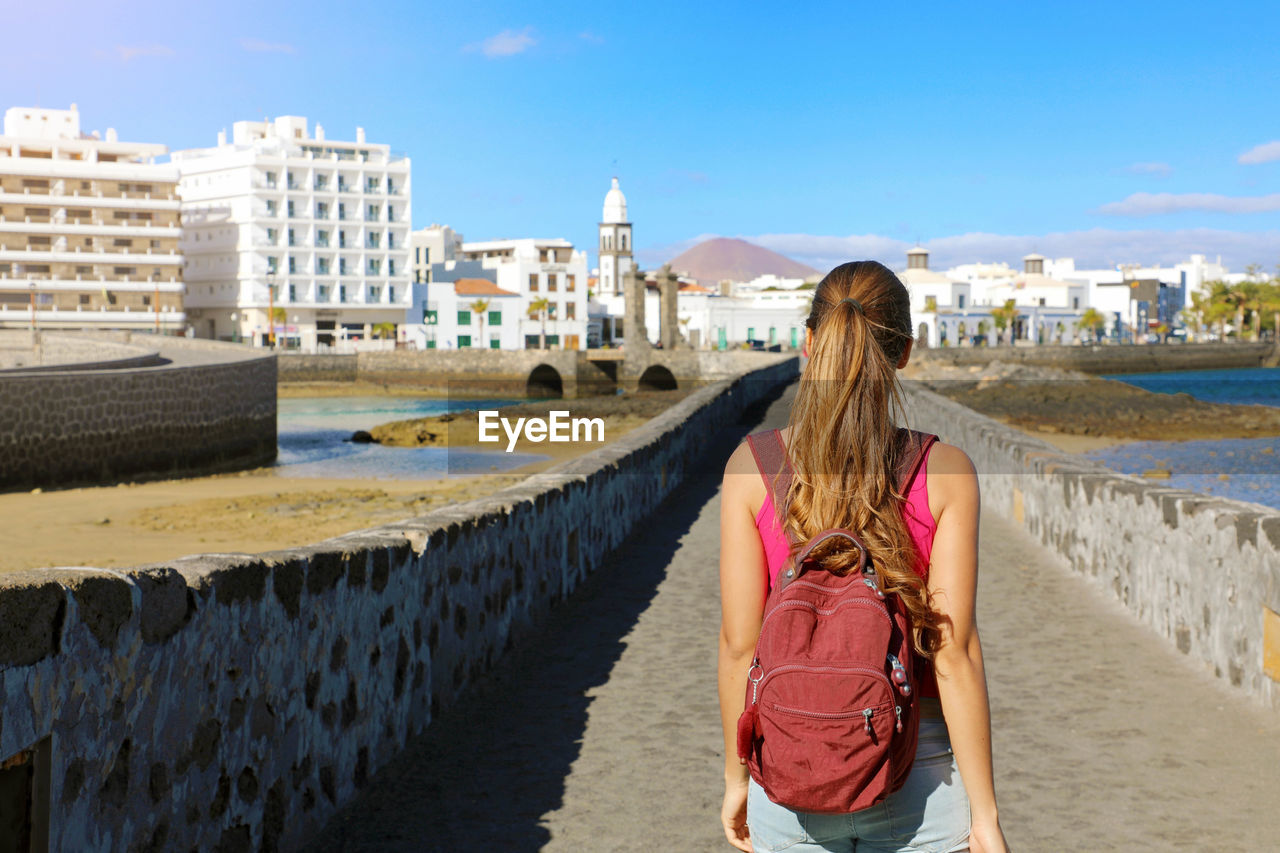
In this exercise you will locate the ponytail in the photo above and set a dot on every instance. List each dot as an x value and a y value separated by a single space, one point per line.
844 436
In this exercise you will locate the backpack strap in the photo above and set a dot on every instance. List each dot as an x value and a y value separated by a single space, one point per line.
771 458
915 445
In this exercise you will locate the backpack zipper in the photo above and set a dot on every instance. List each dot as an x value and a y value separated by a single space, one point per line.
864 602
798 667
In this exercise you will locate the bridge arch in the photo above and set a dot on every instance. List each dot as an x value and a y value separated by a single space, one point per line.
657 378
544 381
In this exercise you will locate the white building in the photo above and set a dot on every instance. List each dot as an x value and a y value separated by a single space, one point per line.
470 313
615 242
434 244
548 276
316 229
88 228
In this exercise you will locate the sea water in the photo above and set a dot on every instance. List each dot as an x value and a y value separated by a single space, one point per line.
313 439
1246 469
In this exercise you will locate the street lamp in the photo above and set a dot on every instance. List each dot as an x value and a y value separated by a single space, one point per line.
235 327
271 308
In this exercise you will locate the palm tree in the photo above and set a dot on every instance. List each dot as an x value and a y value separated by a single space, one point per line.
479 307
538 311
1092 320
1003 317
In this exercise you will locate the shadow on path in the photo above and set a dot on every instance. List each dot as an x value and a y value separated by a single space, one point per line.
486 771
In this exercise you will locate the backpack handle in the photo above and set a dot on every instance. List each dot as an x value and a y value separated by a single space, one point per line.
833 533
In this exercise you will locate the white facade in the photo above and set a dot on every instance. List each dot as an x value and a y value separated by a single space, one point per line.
450 320
534 270
88 228
325 223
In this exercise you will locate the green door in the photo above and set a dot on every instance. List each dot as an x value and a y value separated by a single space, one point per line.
722 338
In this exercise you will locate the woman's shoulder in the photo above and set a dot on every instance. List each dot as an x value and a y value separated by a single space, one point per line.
951 477
742 482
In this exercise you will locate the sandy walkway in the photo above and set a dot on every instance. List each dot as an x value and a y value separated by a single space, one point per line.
601 733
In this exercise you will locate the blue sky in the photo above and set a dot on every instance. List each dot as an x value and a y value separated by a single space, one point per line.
1113 132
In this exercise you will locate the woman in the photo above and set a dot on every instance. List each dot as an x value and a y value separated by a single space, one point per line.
842 446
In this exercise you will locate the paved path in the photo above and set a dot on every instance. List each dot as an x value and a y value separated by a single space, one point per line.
602 734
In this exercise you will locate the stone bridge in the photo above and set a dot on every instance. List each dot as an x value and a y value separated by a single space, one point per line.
536 670
538 373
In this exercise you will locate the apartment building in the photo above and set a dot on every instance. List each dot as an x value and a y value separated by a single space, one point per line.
282 221
549 276
89 229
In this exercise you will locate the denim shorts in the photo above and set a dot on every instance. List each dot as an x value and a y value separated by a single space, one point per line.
930 813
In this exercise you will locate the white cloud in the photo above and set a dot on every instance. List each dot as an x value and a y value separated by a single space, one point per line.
1158 170
260 46
505 43
1264 153
131 52
588 36
1097 248
1155 204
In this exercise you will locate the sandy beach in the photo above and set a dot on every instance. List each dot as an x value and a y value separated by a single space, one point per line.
259 510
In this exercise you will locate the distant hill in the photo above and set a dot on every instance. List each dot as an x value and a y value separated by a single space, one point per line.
722 258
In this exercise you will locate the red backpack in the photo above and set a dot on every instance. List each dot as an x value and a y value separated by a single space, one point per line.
831 717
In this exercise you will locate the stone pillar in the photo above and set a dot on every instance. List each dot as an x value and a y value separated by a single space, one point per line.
634 335
668 326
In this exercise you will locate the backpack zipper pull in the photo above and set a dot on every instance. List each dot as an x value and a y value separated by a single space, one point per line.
899 676
897 709
866 718
755 682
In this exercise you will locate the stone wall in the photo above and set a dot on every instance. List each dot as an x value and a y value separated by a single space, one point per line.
234 701
1202 571
1110 358
202 407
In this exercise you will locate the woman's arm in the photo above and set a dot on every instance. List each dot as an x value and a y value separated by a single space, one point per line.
742 594
962 684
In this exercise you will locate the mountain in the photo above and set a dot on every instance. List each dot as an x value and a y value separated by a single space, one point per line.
722 258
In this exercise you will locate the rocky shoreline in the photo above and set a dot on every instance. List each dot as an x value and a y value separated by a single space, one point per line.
1052 401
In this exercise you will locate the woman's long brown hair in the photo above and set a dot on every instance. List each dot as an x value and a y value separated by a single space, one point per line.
844 433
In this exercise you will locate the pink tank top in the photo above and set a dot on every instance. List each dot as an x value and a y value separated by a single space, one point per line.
921 527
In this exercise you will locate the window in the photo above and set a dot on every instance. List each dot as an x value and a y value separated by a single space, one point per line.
391 240
146 300
273 236
495 342
375 294
1075 303
322 293
551 281
321 182
80 270
622 241
1041 301
417 254
342 184
322 266
322 239
342 210
293 264
273 263
371 185
342 238
959 300
374 267
290 181
271 180
84 299
271 208
430 316
391 213
569 312
495 318
551 311
293 293
391 293
322 210
373 240
371 213
291 238
751 333
391 266
533 281
289 211
426 254
431 344
569 282
464 317
464 341
391 187
342 266
115 270
342 293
